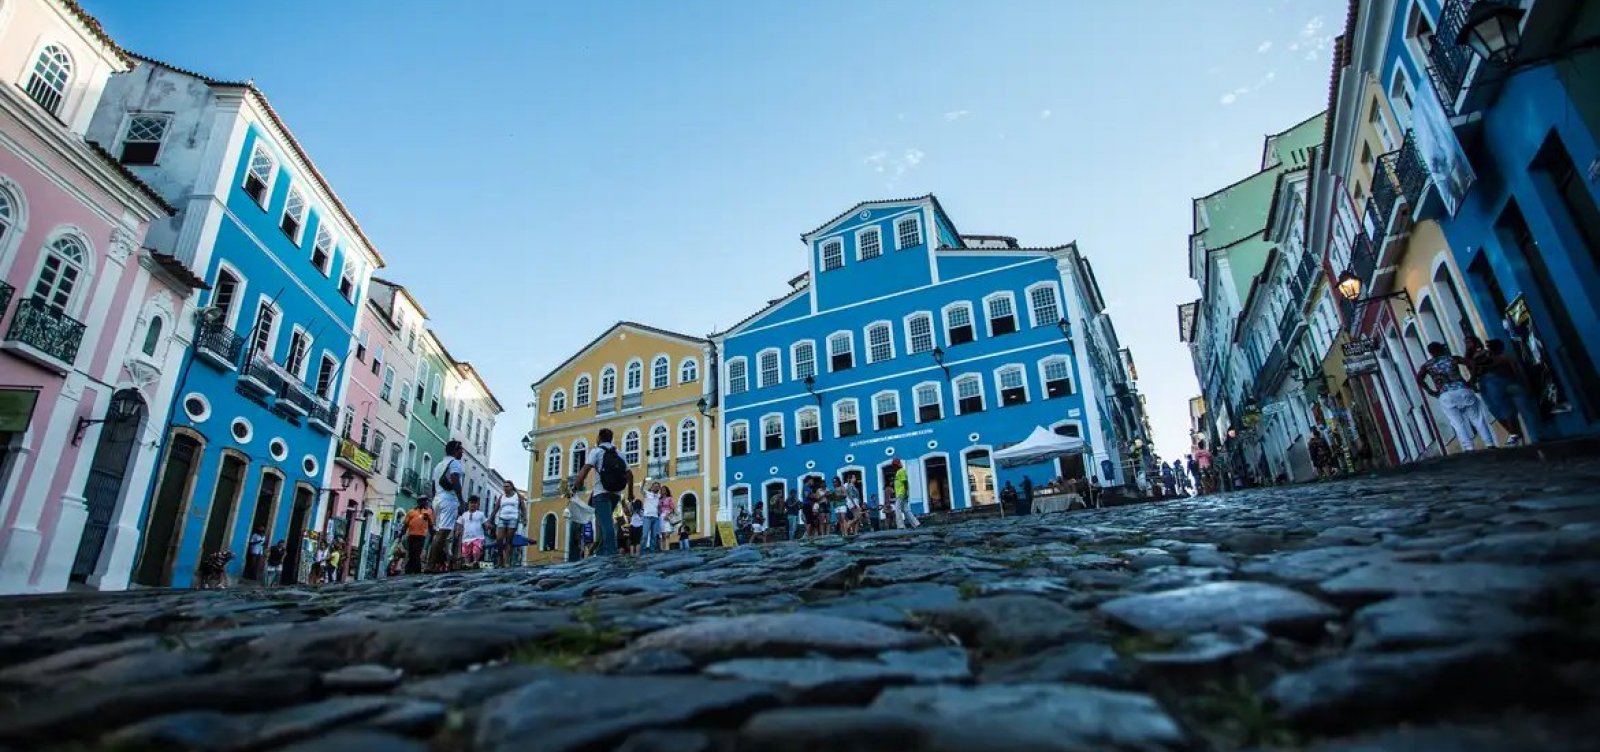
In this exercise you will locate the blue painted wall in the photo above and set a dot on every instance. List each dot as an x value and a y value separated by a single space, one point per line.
896 269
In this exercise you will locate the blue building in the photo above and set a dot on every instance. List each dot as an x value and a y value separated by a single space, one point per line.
254 412
908 340
1514 175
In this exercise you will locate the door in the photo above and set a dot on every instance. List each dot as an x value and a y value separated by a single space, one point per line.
771 489
936 482
266 510
106 473
980 478
1070 467
297 534
689 509
166 511
224 504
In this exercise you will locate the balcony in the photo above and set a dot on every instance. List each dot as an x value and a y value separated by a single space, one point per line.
322 418
658 469
262 375
219 345
1413 173
605 405
688 466
6 291
296 396
355 457
1385 195
1449 64
411 482
44 334
1270 374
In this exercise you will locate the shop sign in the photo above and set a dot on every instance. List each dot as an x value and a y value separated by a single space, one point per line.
1361 356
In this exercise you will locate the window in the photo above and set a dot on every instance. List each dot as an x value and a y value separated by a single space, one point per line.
919 333
377 360
558 401
394 461
907 232
299 348
608 382
660 372
362 338
930 402
880 342
738 382
772 432
580 455
266 329
958 324
47 84
63 267
633 377
347 282
969 395
258 180
659 447
689 438
552 463
771 371
7 214
688 371
1042 304
846 418
1056 375
405 397
580 391
840 351
869 244
630 447
349 423
832 255
322 249
803 359
808 421
294 216
1002 314
387 390
886 410
141 141
738 439
1013 387
152 337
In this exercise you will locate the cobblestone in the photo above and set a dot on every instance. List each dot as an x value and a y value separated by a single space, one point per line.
1436 607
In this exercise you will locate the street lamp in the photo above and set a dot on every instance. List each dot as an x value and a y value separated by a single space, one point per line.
527 442
1350 288
938 357
811 383
705 409
1493 30
118 411
1066 327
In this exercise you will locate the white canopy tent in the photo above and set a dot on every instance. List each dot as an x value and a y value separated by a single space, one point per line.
1042 445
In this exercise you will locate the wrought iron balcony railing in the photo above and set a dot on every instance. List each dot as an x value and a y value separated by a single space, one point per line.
1412 172
262 374
1385 193
322 417
356 457
46 330
6 291
219 343
1448 62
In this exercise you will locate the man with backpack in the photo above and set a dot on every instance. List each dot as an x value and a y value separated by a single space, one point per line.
613 477
446 505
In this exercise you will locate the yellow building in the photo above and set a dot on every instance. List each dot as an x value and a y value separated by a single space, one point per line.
652 388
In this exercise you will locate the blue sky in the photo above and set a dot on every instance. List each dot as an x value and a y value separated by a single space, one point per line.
535 171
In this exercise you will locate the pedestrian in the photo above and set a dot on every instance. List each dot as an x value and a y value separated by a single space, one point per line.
758 525
397 557
624 531
472 525
791 511
1008 499
669 517
902 501
873 505
319 562
650 521
684 532
854 508
1321 455
1169 480
335 556
1504 390
447 477
1026 495
1463 408
254 549
419 522
1202 463
508 516
613 478
275 557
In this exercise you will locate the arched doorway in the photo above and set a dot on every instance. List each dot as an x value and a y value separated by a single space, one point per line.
1070 467
547 533
261 518
224 504
772 488
303 496
936 482
980 477
689 508
106 474
167 509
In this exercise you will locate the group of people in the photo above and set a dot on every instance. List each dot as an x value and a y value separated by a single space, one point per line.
837 507
439 536
1487 384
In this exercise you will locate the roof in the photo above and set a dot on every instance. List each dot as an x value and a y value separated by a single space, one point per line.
937 208
178 269
478 377
607 333
128 175
1341 53
402 289
94 27
277 122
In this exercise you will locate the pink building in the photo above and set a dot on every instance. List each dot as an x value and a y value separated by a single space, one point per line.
93 327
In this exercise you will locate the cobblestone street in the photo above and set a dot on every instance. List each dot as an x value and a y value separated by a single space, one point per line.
1449 607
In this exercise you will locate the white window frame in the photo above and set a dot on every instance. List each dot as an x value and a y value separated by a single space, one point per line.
64 64
348 272
689 428
333 376
761 368
634 367
551 453
794 359
660 365
257 150
955 391
850 337
636 438
691 367
972 321
323 230
861 234
127 125
582 391
988 319
916 399
600 391
866 338
823 249
733 429
81 286
799 425
744 380
899 236
1033 311
899 415
270 334
1044 381
838 405
579 454
933 334
558 401
1000 388
660 429
300 221
783 442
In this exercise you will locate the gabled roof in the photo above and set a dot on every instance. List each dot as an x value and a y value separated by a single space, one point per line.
644 328
179 270
937 208
128 175
771 304
403 290
93 25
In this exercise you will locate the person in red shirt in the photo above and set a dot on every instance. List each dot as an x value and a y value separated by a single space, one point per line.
419 521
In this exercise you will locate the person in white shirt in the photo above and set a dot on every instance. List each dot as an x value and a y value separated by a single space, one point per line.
507 517
472 532
612 477
652 519
447 477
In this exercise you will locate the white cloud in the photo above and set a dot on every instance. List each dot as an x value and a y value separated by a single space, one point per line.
1044 114
1311 28
954 115
1265 46
876 160
1229 98
884 163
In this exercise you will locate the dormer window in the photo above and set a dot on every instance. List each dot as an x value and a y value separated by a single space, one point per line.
141 142
908 232
832 255
294 216
869 244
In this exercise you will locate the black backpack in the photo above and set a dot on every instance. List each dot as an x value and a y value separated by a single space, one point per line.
613 471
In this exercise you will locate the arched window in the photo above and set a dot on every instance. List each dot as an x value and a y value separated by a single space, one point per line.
552 463
969 394
558 401
580 391
660 372
772 432
152 337
738 438
1056 374
630 447
47 84
688 438
832 255
633 378
770 373
846 418
547 533
1013 385
930 402
908 232
608 382
8 215
919 333
294 215
738 381
659 443
869 244
1002 313
1042 304
808 424
958 324
688 371
64 265
803 359
841 351
880 342
886 410
580 455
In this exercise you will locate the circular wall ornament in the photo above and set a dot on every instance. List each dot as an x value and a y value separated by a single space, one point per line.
278 449
738 476
242 430
309 464
849 458
811 464
865 214
197 407
972 437
933 445
888 451
772 470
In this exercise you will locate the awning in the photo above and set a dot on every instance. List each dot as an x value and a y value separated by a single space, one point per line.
1042 445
